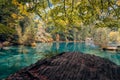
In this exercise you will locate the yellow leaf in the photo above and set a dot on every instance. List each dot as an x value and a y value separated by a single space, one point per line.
118 2
15 2
14 15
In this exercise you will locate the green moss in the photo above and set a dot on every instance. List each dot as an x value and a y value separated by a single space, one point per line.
6 33
6 30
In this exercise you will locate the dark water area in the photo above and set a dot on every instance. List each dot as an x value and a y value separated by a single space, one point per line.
14 58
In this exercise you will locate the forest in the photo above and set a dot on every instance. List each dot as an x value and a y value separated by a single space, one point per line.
27 21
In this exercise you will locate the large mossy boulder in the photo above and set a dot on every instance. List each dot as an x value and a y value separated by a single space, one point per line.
70 66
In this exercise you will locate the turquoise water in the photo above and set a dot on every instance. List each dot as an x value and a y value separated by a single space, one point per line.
14 58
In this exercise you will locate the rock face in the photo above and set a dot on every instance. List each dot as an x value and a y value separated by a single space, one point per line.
43 36
70 66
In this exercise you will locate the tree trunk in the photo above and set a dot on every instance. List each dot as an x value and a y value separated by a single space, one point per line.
57 37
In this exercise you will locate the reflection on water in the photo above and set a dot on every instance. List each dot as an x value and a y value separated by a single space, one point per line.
16 57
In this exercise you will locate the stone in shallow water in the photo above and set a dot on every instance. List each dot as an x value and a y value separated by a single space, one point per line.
70 66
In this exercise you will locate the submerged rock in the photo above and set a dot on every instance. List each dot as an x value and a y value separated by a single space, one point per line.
70 66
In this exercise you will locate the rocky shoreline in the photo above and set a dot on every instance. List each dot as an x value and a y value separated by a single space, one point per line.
70 66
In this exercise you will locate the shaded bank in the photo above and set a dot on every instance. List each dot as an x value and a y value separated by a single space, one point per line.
70 66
